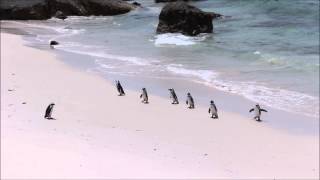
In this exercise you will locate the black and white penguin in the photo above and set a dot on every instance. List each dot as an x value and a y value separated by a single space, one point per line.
257 112
213 110
144 96
190 101
49 111
173 96
120 89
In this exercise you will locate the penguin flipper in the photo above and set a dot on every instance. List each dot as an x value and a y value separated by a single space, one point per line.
263 110
251 110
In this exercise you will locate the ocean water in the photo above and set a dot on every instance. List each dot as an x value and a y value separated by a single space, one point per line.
264 50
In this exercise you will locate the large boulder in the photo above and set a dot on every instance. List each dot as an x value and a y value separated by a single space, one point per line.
24 10
180 17
90 7
45 9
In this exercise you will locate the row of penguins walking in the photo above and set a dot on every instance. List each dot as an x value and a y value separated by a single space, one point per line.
213 111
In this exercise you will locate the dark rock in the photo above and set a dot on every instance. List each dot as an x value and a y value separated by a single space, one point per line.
180 17
67 7
215 15
60 15
45 9
52 43
90 7
136 4
24 10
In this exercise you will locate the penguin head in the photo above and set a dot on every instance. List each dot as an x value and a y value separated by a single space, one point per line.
170 89
211 102
188 94
257 105
143 89
52 104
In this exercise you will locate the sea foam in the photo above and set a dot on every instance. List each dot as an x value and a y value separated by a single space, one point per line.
177 39
290 101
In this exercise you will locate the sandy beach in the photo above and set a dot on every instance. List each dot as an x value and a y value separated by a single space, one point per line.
98 134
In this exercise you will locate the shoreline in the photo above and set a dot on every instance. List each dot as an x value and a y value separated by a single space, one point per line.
204 91
178 142
294 123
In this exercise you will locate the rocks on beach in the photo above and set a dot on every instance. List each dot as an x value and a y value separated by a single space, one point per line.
52 43
45 9
180 17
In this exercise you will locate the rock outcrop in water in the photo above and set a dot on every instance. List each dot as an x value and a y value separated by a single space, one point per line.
45 9
180 17
60 15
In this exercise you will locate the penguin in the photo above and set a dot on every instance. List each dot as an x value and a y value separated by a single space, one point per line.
173 96
144 96
190 101
257 112
213 110
120 89
49 111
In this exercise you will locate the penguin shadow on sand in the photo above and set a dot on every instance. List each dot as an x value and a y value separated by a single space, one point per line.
48 113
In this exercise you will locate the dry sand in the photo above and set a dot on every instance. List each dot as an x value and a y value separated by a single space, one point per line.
98 134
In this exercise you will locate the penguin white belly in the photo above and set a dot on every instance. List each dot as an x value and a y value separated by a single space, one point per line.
213 110
256 112
144 96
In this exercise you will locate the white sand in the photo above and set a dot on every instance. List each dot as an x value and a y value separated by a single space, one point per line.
98 134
